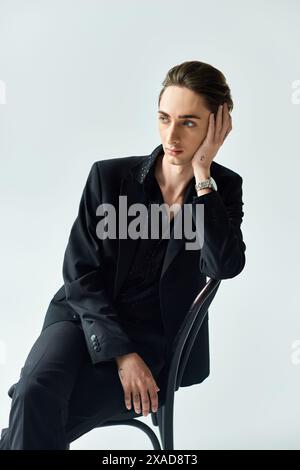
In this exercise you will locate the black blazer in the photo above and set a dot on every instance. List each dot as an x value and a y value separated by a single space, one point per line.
94 269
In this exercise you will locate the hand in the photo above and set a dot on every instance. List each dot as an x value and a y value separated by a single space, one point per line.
216 134
137 379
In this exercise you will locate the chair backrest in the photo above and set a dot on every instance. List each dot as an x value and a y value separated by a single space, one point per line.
187 334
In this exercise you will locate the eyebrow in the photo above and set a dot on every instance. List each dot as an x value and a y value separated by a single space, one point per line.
182 116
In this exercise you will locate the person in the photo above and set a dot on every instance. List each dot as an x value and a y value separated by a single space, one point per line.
107 334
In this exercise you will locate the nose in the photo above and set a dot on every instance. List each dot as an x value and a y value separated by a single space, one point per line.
173 137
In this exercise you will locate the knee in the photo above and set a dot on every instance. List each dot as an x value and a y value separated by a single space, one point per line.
32 390
27 387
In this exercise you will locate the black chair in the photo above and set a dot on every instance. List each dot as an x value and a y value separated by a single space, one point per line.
176 364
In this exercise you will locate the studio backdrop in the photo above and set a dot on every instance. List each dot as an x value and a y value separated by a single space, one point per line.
79 83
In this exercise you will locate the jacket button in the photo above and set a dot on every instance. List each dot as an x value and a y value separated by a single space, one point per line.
93 337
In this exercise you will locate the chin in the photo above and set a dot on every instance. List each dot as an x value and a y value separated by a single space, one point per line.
183 157
173 158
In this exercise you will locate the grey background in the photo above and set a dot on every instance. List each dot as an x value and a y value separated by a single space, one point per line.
82 81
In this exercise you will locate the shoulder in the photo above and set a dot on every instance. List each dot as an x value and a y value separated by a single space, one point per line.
109 173
118 166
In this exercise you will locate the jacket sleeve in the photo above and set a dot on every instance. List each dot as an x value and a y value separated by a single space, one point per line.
222 255
83 272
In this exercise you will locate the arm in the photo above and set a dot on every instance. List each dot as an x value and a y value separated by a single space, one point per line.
223 253
83 272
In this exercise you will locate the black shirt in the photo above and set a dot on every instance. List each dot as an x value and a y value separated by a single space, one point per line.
139 295
139 300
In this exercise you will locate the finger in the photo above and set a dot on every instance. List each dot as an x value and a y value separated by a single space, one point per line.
145 401
226 114
127 398
155 384
154 399
227 132
219 122
136 401
211 128
227 126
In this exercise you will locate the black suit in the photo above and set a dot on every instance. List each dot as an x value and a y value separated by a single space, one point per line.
76 360
93 272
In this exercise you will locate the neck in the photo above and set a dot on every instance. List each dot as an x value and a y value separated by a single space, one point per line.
172 178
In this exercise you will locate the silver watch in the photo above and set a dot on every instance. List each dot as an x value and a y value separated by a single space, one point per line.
209 183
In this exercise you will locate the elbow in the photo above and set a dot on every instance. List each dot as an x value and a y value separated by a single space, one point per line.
235 269
221 271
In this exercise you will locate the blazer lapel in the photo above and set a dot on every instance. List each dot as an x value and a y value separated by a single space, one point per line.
127 246
174 246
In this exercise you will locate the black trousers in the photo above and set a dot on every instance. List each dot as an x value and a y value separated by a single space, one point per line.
62 395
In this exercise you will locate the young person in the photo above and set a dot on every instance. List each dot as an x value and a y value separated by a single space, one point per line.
107 332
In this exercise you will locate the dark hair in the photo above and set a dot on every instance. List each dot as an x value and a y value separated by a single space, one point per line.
203 79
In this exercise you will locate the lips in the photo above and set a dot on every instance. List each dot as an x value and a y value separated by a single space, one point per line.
174 150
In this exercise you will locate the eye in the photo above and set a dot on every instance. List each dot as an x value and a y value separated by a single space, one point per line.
191 123
164 117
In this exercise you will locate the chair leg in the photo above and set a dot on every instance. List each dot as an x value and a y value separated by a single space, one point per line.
160 422
165 423
154 418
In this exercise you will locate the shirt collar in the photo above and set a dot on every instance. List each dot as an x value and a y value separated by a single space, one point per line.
144 173
142 170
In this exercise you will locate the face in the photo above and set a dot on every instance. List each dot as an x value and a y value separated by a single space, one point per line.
187 132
